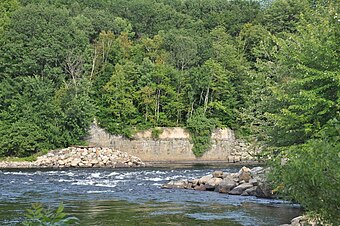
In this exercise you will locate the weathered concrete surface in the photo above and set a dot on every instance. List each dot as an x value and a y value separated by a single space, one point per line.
173 145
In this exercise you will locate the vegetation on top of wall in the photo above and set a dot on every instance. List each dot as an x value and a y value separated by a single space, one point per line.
156 132
200 128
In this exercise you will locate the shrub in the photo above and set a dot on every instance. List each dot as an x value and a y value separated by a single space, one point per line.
156 132
200 128
38 215
311 176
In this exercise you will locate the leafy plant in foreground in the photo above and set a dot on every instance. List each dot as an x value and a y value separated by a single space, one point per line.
38 215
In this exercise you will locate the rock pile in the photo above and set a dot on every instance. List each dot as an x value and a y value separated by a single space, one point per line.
87 157
304 221
245 182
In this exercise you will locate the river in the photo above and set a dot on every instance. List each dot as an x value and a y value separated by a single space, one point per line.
133 197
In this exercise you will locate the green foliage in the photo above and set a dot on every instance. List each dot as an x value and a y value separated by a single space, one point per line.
156 132
312 176
267 68
7 7
200 128
297 111
140 64
308 93
38 41
283 15
38 215
34 120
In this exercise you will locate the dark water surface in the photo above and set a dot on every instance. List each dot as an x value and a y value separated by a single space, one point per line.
133 197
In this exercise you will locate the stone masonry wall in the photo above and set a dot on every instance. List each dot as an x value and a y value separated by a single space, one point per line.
173 145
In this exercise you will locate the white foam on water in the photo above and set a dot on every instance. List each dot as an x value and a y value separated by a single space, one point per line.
55 172
174 177
94 192
19 173
84 182
121 177
64 180
95 175
155 172
70 174
106 185
113 174
154 179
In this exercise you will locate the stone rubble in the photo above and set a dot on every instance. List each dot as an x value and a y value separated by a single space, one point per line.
80 157
246 182
304 221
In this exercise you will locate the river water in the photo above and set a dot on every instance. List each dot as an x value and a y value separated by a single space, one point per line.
134 197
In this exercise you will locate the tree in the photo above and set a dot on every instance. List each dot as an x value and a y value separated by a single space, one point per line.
119 112
28 116
305 116
37 41
200 128
7 7
308 95
182 48
283 15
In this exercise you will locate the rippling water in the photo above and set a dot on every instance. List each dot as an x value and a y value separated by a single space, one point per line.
133 197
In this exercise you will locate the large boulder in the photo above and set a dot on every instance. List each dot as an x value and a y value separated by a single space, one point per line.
250 191
217 174
226 185
176 184
303 221
257 170
238 190
200 187
263 190
211 184
204 179
244 174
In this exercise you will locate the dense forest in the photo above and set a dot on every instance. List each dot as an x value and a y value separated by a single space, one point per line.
267 69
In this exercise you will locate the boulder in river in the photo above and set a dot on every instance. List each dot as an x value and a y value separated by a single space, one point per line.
176 184
244 174
217 174
245 182
226 185
238 190
205 179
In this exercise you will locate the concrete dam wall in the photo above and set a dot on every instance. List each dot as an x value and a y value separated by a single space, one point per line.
173 145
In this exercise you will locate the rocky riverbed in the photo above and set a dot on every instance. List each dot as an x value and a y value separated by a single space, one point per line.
80 157
246 182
